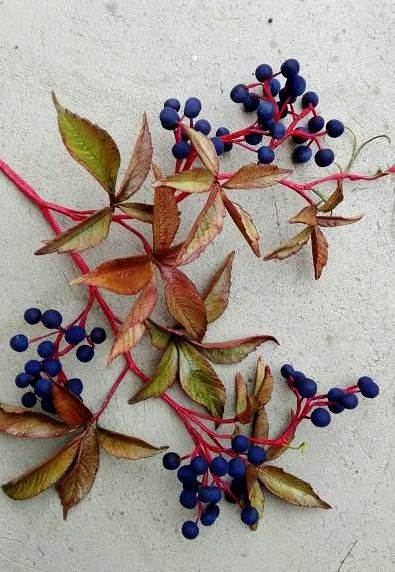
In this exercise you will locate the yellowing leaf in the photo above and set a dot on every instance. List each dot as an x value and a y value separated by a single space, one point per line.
139 211
306 216
204 147
126 447
205 228
90 146
232 351
78 481
338 220
263 385
140 164
163 378
319 247
42 476
334 200
160 337
86 234
69 408
253 176
166 218
244 223
275 452
292 246
199 380
191 181
255 492
20 422
289 488
216 296
122 275
184 301
243 402
260 427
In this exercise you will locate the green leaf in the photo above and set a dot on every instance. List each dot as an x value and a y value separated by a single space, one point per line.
139 211
216 297
20 422
86 234
160 337
163 378
243 402
204 147
200 381
233 351
290 488
90 146
292 246
244 223
253 176
191 181
125 446
255 493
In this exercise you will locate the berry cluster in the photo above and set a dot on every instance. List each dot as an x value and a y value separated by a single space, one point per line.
40 373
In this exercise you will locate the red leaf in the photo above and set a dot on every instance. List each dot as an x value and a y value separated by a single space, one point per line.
244 223
216 297
20 422
166 218
69 408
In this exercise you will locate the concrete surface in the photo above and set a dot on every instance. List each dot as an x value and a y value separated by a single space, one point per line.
110 61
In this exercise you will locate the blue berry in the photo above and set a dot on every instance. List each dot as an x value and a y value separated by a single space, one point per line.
169 118
192 107
33 367
334 128
287 370
171 461
240 444
349 401
173 103
274 86
193 486
47 405
249 515
263 72
203 126
370 390
219 466
51 319
310 98
298 376
75 385
210 494
278 130
302 154
186 475
208 518
324 157
265 110
51 366
335 408
320 417
256 455
239 93
265 155
253 138
316 123
85 353
181 150
300 138
224 131
284 95
290 68
190 530
306 388
29 399
199 465
251 102
212 508
218 144
267 124
295 85
236 468
32 316
75 335
19 343
335 394
43 388
363 380
239 484
46 349
188 499
98 335
22 380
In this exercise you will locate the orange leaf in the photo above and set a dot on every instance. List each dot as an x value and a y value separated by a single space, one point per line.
69 408
244 223
243 402
216 296
166 218
337 220
319 247
169 257
20 422
253 176
306 216
334 200
204 147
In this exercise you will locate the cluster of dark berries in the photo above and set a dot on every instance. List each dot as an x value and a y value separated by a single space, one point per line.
40 373
203 483
337 399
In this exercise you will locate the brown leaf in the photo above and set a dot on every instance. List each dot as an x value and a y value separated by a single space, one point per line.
337 220
184 301
319 247
255 493
244 223
139 211
126 447
160 337
79 479
334 200
232 351
121 275
69 408
156 171
170 256
216 296
166 218
204 147
140 164
264 384
20 422
191 181
260 428
308 215
163 378
253 176
243 402
292 246
275 452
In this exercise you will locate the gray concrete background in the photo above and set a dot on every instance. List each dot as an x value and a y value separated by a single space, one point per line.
110 61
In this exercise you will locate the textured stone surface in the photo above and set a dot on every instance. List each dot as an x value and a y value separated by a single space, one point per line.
109 61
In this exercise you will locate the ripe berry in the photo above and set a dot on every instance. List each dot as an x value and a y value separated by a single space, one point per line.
363 380
236 468
43 388
203 126
75 385
186 475
349 401
265 155
239 93
334 128
239 485
188 499
253 138
249 515
251 102
275 87
51 366
33 367
213 509
32 316
85 353
190 530
22 380
219 466
199 465
335 394
224 131
310 98
193 486
98 335
75 335
302 154
218 144
171 461
287 370
290 68
46 349
278 130
299 376
300 138
181 150
267 124
295 85
19 343
29 399
263 72
51 319
284 95
207 518
240 444
306 388
265 111
192 107
324 157
173 103
209 494
320 417
47 405
169 118
315 124
335 408
370 390
256 455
